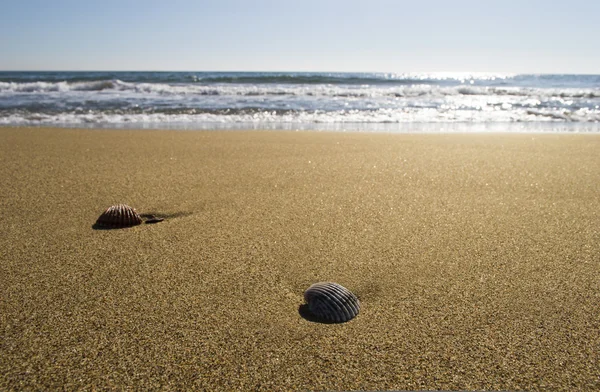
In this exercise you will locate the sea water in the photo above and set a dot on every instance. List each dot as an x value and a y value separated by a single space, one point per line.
326 101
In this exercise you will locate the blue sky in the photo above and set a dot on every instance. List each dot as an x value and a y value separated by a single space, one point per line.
309 35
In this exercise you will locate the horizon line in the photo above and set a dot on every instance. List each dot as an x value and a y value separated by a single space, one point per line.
305 72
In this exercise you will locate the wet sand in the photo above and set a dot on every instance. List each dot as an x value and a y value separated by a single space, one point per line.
475 257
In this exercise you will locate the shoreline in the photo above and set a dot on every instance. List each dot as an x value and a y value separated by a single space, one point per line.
474 256
540 127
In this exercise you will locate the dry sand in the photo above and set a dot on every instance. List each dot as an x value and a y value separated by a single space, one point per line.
476 259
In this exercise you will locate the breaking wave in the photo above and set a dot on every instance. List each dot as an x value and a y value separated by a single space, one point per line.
306 98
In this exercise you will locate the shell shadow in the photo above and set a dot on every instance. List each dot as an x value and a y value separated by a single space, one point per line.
308 316
147 216
166 215
96 226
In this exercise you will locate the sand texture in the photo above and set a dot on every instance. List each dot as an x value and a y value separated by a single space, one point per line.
476 259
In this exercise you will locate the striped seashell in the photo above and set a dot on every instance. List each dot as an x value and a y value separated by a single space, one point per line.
331 302
118 216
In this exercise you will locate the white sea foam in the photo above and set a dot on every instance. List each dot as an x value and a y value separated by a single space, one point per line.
381 116
248 98
325 90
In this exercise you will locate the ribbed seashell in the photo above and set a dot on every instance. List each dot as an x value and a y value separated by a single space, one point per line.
331 302
117 216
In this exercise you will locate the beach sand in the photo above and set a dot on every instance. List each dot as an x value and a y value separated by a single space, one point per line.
476 258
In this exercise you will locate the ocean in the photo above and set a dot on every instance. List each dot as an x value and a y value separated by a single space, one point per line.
408 102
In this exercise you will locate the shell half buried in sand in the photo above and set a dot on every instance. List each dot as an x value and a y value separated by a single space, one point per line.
118 216
331 302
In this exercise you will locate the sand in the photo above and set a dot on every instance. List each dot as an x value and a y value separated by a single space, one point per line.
475 256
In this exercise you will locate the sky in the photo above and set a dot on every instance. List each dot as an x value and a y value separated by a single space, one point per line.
511 36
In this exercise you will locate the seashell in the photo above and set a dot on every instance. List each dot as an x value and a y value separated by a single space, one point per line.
331 302
117 216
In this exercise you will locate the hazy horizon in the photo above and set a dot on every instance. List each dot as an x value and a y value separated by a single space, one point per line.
474 73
